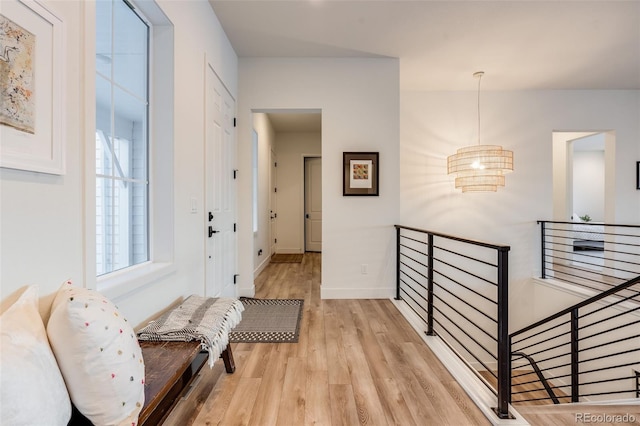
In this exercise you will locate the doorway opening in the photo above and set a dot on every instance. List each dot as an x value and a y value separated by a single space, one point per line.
584 175
287 141
584 190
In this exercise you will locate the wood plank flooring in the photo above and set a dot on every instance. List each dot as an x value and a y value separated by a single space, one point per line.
357 362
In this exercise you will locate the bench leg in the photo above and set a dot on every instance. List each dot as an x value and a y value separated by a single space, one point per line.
227 357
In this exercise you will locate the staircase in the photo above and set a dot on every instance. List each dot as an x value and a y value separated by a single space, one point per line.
588 352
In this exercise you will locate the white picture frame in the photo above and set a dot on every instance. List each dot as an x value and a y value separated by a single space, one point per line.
361 174
42 149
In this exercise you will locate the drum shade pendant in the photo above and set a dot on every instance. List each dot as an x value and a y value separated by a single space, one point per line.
480 168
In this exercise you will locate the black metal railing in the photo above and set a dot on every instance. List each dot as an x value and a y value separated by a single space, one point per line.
466 306
596 256
588 351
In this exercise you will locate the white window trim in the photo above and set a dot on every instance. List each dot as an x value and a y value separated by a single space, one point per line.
116 284
161 195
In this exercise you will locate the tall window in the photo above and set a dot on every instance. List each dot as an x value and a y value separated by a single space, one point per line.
122 183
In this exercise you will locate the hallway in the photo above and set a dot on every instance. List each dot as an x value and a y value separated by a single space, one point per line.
356 362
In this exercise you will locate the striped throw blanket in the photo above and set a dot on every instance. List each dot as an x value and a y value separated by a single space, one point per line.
206 319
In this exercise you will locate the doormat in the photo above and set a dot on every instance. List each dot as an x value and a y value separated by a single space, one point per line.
286 258
268 321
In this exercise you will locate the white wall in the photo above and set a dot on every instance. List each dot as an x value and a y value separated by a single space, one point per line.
435 124
41 238
261 239
359 101
42 235
291 150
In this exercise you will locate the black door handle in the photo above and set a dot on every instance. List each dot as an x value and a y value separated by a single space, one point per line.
307 215
211 232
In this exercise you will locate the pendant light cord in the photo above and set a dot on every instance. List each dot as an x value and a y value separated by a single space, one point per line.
479 75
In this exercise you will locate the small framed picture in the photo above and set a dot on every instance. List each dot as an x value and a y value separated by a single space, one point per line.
360 173
637 174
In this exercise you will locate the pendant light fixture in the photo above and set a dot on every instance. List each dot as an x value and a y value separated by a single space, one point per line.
480 168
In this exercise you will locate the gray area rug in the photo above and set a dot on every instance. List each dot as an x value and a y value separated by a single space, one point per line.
268 321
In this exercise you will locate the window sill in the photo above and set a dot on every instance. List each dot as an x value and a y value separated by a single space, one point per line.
120 283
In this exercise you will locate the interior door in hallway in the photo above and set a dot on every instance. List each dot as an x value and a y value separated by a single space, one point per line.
220 187
273 203
313 203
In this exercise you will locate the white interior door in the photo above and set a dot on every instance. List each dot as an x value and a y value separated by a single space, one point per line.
273 204
313 204
220 187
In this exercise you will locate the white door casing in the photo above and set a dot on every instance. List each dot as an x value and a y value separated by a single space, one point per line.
220 189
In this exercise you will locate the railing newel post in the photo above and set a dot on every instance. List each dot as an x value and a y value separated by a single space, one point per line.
542 249
575 367
430 330
397 263
504 346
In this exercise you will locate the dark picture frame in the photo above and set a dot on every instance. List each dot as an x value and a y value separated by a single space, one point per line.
360 174
637 174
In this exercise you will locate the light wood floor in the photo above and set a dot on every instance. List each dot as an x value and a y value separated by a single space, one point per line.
357 362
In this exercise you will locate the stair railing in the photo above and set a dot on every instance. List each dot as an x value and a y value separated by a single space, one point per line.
466 306
587 351
595 256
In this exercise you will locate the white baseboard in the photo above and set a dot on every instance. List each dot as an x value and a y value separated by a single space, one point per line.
265 262
247 291
472 385
359 293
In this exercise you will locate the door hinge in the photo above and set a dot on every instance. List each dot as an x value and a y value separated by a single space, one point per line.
235 173
235 227
275 240
234 122
235 278
275 189
275 164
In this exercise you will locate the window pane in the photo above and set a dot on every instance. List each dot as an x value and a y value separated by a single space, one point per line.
121 225
118 230
121 148
104 197
130 50
130 126
103 125
103 37
139 223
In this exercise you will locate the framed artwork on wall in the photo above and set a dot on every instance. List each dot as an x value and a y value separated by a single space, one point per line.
31 88
360 174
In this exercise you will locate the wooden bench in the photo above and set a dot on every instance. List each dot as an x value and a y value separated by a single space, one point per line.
170 368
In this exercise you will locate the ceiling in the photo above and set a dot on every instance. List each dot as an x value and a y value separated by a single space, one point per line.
296 122
521 45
